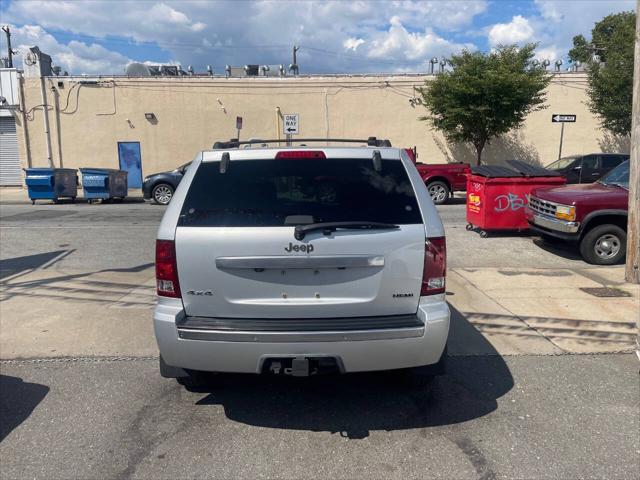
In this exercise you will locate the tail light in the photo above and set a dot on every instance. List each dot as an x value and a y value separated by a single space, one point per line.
299 154
167 269
435 266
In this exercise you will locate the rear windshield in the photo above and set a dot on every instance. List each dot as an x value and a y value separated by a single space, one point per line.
278 192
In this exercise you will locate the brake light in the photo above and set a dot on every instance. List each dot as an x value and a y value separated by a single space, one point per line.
435 266
167 269
299 154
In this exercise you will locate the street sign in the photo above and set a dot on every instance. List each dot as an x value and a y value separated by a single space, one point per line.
238 123
562 118
290 124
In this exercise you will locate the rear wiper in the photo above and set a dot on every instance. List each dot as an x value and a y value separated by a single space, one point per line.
328 227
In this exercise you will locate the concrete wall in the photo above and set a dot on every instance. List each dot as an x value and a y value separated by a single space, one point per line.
87 120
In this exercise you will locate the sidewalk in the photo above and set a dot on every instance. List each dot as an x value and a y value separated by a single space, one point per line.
54 313
19 196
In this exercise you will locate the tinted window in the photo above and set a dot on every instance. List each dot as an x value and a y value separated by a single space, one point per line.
266 192
610 161
590 162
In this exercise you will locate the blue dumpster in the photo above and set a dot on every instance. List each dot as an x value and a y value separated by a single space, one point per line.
51 183
104 183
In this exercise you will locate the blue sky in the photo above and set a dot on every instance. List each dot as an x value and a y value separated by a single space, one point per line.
103 36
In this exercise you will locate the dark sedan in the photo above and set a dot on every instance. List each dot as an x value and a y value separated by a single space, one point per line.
587 168
159 187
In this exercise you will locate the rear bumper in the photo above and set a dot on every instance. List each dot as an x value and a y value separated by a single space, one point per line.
355 350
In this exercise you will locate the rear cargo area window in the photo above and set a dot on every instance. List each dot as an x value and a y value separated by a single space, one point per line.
272 192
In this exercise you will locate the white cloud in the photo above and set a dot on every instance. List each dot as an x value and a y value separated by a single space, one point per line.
352 43
517 31
399 43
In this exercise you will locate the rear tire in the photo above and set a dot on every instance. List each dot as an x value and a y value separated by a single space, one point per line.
439 192
162 193
604 245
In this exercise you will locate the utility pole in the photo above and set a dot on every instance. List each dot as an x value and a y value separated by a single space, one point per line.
632 268
632 271
294 66
10 51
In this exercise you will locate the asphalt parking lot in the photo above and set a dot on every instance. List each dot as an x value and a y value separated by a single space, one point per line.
119 236
516 402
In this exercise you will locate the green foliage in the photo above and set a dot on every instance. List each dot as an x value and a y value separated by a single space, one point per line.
485 95
610 82
581 51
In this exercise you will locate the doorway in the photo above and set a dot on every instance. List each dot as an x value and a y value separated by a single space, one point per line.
131 161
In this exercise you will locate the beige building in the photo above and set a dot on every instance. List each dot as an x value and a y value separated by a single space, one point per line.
174 117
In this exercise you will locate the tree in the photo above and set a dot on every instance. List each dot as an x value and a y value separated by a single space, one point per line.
609 62
485 94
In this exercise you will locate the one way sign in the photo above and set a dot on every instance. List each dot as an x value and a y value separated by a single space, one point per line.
561 118
290 124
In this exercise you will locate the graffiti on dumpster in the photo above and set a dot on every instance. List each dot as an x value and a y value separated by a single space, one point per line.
510 201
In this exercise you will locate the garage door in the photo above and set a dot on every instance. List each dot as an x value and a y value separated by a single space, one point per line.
10 172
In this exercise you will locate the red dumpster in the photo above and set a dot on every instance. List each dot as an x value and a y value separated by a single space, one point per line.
496 196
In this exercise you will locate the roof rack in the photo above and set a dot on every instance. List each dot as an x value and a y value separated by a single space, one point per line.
235 143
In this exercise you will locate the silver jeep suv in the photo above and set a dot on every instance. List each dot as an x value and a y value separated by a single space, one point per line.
300 260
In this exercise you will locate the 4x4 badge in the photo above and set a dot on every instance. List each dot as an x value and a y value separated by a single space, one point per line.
206 293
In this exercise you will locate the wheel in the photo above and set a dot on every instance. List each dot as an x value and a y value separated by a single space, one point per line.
439 192
469 227
162 193
484 234
55 201
73 199
604 245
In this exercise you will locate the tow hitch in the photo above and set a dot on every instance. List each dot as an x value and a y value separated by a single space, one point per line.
300 366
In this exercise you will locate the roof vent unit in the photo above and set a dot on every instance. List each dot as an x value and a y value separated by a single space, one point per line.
252 70
170 70
270 70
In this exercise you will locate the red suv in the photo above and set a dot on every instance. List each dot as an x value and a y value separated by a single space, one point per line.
594 215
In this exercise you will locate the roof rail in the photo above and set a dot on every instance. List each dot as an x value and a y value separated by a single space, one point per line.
235 143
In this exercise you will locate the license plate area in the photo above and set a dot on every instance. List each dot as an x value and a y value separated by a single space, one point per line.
301 366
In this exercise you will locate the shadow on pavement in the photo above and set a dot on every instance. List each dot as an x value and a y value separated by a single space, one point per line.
15 265
18 399
59 287
568 250
353 405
